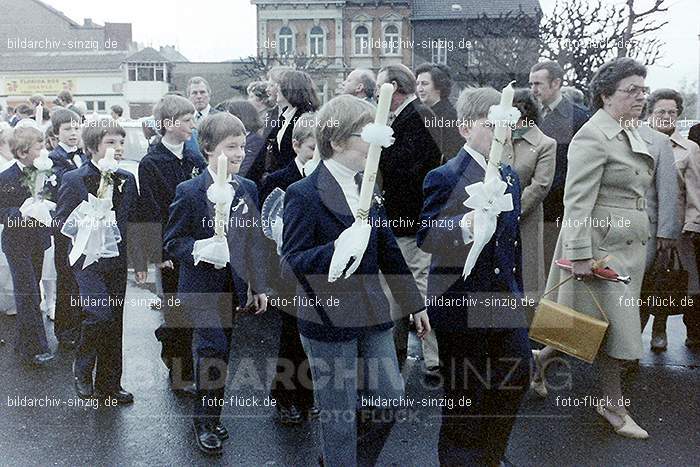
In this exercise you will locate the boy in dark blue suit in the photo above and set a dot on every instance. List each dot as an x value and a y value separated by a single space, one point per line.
209 295
293 395
345 325
102 284
66 156
167 164
24 241
489 335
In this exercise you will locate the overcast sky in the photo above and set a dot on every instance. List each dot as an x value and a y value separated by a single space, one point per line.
215 30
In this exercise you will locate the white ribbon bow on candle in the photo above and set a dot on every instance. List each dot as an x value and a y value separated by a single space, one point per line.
36 207
351 244
92 227
488 198
214 250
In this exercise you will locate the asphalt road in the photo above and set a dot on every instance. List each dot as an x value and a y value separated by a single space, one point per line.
156 430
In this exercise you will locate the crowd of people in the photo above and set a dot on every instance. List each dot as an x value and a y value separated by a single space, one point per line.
609 178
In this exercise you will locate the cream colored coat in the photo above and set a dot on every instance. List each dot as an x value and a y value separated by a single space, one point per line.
609 171
533 157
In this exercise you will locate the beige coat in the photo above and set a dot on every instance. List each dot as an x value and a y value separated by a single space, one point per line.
609 171
687 156
533 158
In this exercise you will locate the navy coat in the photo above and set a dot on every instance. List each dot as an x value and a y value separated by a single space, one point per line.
63 162
74 190
19 236
498 271
315 214
192 218
160 172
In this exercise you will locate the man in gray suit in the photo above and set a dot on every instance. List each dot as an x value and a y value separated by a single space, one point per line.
664 220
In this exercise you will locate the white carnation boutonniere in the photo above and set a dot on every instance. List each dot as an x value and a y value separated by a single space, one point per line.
195 172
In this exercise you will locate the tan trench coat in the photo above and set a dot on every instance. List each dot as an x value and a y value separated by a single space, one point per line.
533 158
609 171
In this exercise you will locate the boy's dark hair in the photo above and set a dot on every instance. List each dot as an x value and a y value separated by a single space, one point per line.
61 116
25 110
94 131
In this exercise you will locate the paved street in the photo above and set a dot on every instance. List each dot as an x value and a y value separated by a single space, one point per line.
155 430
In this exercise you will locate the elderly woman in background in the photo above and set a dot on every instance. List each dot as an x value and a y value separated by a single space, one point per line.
609 172
253 164
533 156
665 106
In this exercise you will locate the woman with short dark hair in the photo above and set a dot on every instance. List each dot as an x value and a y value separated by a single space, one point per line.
297 95
609 171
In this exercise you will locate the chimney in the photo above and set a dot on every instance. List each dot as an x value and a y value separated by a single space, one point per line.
87 22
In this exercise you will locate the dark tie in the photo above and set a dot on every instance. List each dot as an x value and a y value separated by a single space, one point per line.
358 181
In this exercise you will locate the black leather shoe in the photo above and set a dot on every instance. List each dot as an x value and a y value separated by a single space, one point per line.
83 385
220 430
187 390
121 395
289 415
207 441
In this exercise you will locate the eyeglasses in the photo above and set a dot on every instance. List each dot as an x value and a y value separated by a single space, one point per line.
636 90
662 112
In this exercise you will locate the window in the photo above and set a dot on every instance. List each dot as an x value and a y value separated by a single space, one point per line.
146 71
439 53
391 40
361 40
316 41
93 106
286 41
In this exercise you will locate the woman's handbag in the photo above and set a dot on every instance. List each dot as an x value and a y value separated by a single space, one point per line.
567 330
665 283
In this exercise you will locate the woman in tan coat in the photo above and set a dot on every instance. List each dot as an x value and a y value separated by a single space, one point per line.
609 171
533 156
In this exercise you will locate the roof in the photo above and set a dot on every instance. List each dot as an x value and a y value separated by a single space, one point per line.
148 54
104 61
443 9
172 55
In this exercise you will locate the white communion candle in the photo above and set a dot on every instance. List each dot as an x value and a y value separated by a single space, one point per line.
109 155
371 166
221 169
39 114
500 132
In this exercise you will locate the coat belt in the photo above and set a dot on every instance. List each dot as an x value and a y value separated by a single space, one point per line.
639 203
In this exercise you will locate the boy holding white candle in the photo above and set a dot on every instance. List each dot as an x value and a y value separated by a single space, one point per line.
212 287
491 340
102 283
24 241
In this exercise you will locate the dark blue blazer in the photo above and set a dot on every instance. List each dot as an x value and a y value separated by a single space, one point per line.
497 272
280 179
315 214
160 172
74 190
253 165
62 162
192 218
19 236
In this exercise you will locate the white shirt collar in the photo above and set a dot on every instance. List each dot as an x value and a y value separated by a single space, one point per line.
555 103
405 103
20 165
176 149
92 161
204 111
476 155
213 175
289 113
67 148
339 171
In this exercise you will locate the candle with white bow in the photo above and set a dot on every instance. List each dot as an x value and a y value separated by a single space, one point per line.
214 250
43 165
488 199
39 114
220 208
36 207
351 244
